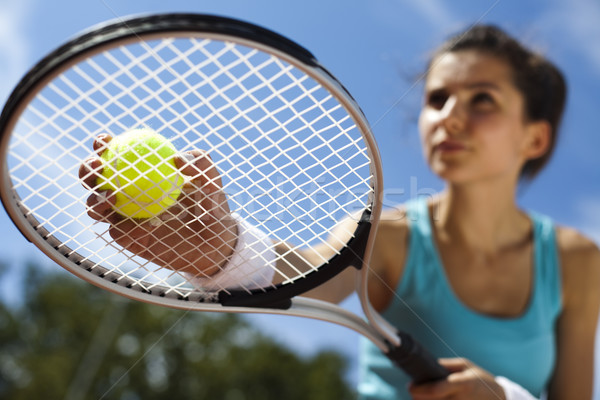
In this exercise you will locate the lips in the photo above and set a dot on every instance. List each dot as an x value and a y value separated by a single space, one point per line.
449 146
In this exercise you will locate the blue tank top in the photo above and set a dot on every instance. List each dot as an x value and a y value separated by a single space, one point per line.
522 348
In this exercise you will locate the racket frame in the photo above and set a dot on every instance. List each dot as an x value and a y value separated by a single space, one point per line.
105 36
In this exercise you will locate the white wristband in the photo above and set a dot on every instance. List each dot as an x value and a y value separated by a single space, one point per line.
252 263
512 390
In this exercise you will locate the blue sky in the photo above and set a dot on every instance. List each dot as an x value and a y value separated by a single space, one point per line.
376 48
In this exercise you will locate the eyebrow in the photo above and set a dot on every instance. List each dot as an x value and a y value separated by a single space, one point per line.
470 86
483 85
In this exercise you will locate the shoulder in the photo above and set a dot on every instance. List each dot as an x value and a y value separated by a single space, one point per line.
576 249
580 260
395 218
576 326
389 255
394 228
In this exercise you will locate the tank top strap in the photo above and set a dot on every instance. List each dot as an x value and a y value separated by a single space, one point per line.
417 213
420 269
548 281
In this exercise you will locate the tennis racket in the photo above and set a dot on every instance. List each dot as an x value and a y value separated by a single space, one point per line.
294 152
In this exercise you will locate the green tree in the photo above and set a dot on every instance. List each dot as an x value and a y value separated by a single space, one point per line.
70 340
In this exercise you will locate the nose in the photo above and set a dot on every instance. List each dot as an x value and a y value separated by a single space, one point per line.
452 115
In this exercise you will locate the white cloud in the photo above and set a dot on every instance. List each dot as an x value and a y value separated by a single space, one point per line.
14 43
578 20
414 17
434 11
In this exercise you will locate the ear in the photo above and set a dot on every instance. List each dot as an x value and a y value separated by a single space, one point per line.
538 139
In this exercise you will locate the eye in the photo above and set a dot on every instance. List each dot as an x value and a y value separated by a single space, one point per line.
436 99
483 101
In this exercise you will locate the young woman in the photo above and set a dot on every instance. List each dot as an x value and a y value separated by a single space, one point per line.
506 299
474 275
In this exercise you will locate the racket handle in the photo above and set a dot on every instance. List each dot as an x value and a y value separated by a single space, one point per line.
415 361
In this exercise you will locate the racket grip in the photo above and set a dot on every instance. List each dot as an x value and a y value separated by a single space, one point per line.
416 361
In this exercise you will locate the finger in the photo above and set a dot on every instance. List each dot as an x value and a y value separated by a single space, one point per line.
198 165
156 243
455 364
133 235
91 168
101 143
89 172
100 206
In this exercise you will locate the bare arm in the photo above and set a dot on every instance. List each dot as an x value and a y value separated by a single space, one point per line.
384 269
576 330
335 290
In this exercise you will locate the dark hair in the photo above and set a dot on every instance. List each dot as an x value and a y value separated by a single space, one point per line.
540 82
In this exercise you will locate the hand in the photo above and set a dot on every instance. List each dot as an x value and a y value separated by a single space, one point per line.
465 382
196 235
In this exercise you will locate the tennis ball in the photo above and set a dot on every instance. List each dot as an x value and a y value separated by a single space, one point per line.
139 167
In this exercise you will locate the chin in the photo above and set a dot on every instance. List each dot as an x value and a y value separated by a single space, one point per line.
461 176
455 175
450 172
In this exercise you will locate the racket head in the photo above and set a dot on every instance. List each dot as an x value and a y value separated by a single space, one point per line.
294 150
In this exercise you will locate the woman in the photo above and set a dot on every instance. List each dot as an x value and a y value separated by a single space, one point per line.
504 288
509 300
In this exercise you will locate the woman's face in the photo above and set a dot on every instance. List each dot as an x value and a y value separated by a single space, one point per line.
472 123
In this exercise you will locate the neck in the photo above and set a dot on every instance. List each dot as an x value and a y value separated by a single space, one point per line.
480 217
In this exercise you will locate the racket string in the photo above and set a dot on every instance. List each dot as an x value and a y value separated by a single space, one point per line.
291 158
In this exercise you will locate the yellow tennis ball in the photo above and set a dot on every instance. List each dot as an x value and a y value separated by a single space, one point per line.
139 167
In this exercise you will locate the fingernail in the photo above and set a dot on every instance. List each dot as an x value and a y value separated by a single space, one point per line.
188 157
155 222
101 197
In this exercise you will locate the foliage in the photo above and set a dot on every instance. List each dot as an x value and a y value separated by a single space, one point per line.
70 340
